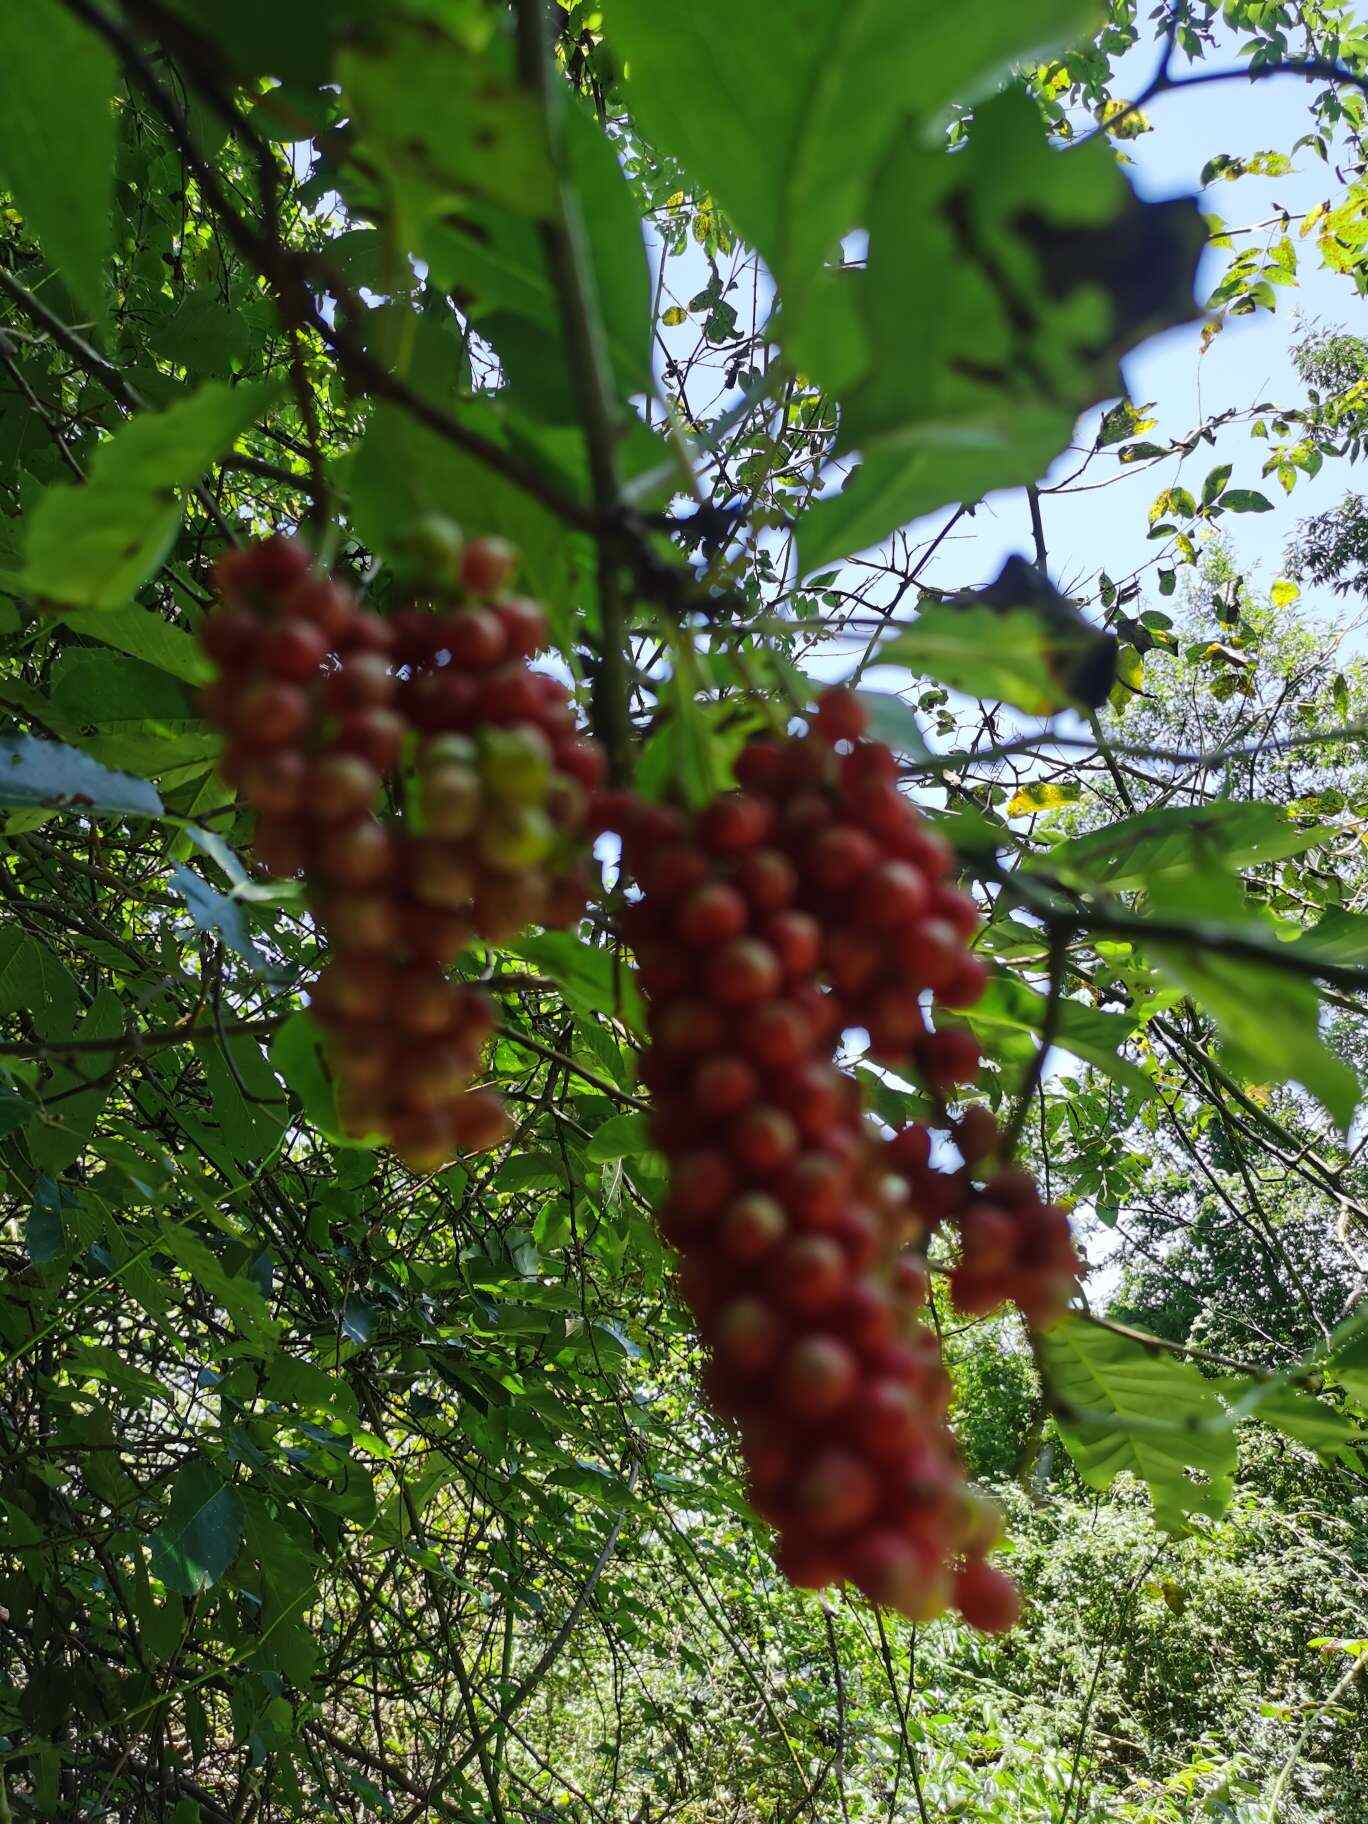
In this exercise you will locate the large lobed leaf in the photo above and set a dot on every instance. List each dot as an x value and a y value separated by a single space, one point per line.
1123 1406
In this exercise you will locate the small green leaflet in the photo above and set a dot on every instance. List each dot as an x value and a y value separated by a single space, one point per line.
199 1539
57 139
93 546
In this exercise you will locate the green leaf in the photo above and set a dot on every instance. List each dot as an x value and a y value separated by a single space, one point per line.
145 634
592 979
1332 1433
1340 937
1346 1360
1246 500
1135 850
1088 1033
93 546
1128 1407
1003 284
36 772
1215 482
57 139
196 1544
128 714
497 261
62 1137
211 911
623 1136
894 722
785 113
35 982
443 123
403 470
297 1054
1016 642
1268 1018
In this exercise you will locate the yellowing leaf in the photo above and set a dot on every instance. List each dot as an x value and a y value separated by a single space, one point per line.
1042 796
674 316
1284 593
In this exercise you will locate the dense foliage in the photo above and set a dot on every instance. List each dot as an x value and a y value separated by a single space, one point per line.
343 1481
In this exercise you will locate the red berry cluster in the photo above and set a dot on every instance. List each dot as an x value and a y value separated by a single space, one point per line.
323 701
1012 1244
813 901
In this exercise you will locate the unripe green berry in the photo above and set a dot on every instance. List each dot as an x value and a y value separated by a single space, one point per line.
516 764
430 550
452 800
516 836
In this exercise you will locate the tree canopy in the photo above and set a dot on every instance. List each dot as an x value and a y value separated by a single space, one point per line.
340 1484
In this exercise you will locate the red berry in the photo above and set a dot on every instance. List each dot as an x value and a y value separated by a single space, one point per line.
808 1565
976 1134
894 894
275 782
958 910
950 1056
840 715
688 1028
763 1139
835 1493
910 1150
777 1035
282 846
722 1085
814 1095
701 1182
339 787
815 1190
479 1121
711 915
747 1336
818 1374
363 681
672 870
294 650
810 1273
767 878
377 735
967 985
367 922
474 637
796 939
987 1598
231 636
760 766
897 1574
269 714
487 565
584 760
524 625
735 822
328 605
356 855
928 953
751 1226
840 857
852 958
742 972
508 695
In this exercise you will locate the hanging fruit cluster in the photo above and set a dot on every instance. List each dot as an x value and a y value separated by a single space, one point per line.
431 788
811 902
325 705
